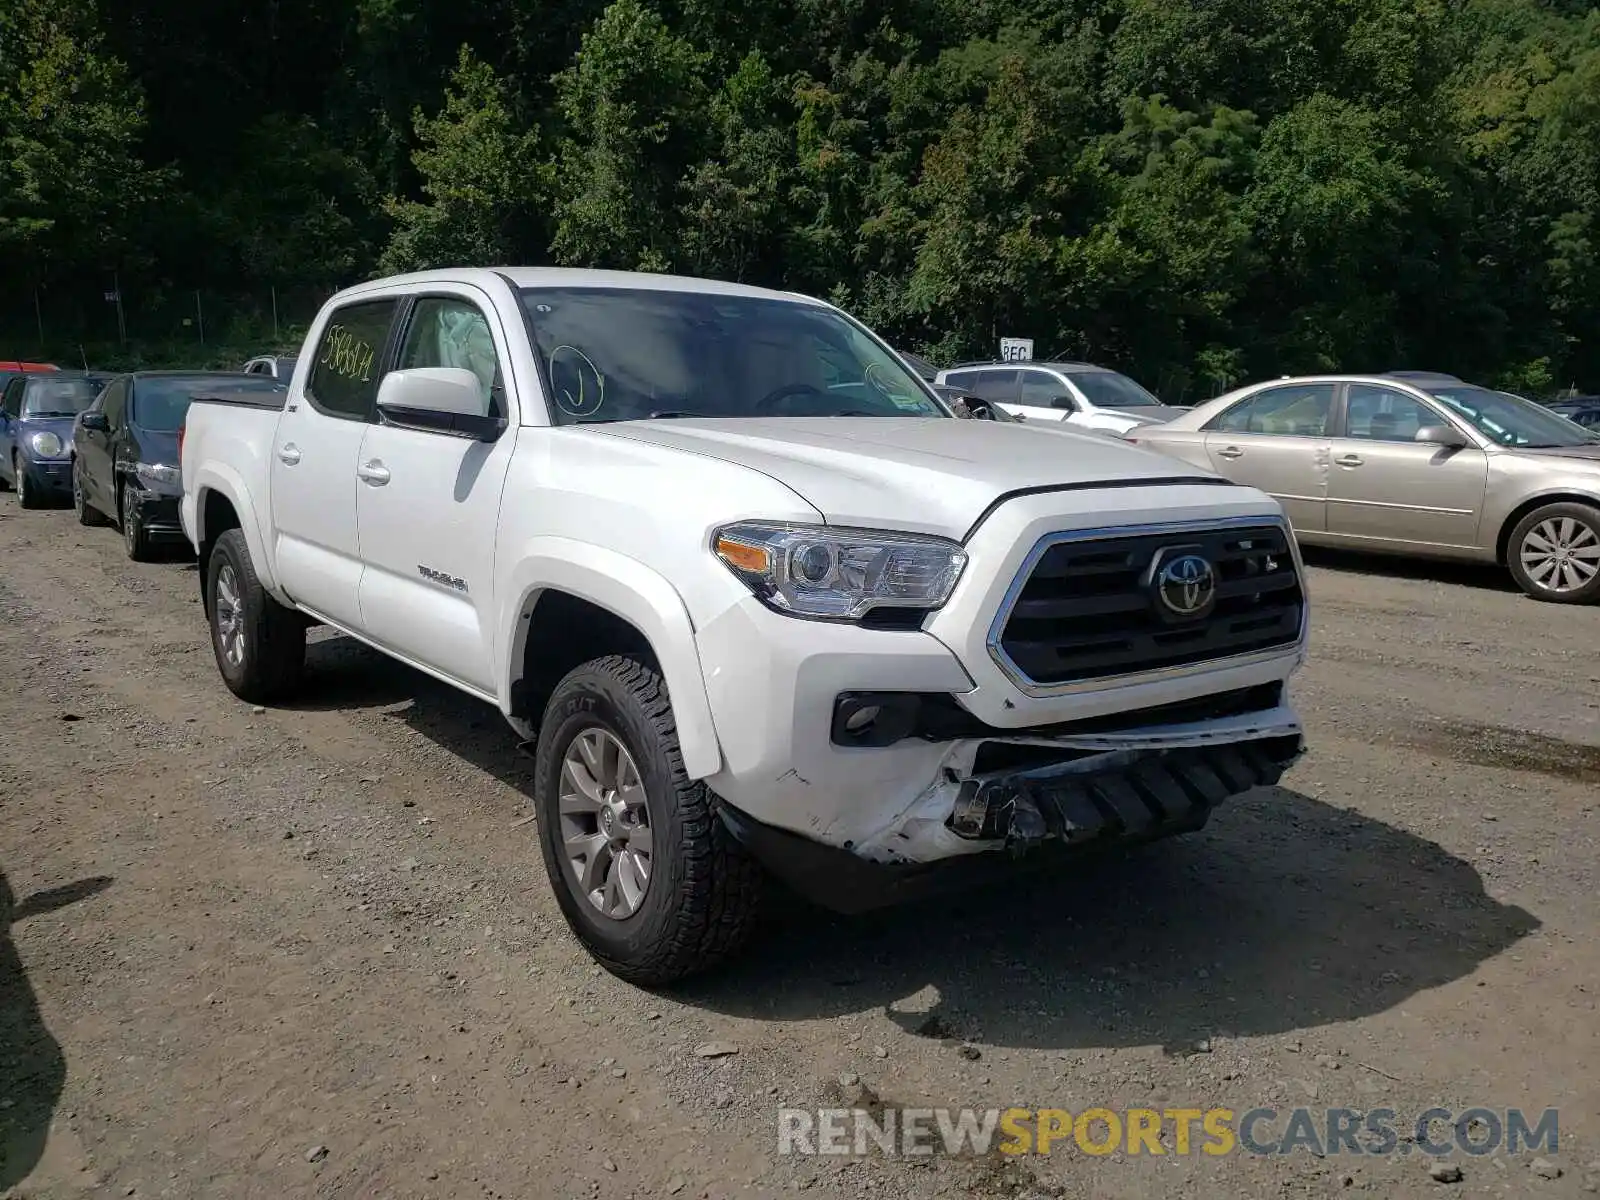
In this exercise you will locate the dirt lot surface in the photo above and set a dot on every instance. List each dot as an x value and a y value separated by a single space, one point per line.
310 951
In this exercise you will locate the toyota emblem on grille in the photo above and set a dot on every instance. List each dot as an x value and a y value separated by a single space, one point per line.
1186 585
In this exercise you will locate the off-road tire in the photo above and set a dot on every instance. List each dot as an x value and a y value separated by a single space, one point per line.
1581 513
87 514
704 891
274 636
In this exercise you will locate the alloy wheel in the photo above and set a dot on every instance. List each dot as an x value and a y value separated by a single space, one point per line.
605 823
1561 554
229 615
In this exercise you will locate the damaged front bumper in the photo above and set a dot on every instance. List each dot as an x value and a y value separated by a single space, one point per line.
1091 793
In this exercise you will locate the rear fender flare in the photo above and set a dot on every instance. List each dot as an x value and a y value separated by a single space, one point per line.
224 480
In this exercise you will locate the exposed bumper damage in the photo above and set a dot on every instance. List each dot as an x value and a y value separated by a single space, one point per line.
1070 794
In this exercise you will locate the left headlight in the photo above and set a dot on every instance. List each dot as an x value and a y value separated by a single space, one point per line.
47 445
152 473
842 574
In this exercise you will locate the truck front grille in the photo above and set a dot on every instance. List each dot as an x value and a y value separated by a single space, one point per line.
1098 607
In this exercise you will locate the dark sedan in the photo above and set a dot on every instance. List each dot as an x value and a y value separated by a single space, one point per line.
36 415
126 463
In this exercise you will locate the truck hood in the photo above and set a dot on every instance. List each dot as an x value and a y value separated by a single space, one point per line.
925 475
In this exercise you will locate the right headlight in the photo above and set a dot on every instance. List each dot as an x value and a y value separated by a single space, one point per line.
839 574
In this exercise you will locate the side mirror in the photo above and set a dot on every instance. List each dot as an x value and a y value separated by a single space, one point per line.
441 399
1446 436
96 421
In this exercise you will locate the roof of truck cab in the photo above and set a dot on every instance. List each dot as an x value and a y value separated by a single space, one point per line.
575 277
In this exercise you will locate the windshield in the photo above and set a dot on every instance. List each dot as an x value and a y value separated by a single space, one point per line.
1509 420
616 354
59 397
1107 389
159 405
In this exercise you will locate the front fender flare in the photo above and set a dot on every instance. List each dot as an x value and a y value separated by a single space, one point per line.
639 595
219 477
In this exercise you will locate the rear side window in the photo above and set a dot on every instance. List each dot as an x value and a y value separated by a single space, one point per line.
1297 410
997 386
344 378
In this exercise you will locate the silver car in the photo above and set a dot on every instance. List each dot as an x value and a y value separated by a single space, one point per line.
1414 463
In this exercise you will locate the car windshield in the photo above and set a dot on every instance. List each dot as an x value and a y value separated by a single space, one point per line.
1511 421
616 354
59 397
1107 389
159 405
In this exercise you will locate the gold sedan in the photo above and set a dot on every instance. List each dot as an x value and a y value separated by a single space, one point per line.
1411 463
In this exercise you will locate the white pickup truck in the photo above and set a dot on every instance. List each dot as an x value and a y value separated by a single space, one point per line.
748 594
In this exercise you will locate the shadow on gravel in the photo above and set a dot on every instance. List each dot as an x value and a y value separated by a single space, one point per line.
30 1059
1284 914
1464 574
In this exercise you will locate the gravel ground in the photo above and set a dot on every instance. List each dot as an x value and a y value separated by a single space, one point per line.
311 951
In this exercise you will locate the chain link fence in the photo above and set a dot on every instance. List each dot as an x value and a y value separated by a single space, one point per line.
125 323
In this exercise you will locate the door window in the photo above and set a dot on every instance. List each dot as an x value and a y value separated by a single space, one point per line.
1381 414
1297 410
1042 390
13 396
965 380
115 401
344 380
447 332
999 387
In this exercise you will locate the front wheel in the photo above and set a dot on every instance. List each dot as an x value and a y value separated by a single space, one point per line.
260 645
1554 553
87 514
26 496
134 535
645 873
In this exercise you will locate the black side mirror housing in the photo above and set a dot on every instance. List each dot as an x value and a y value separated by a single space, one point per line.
96 421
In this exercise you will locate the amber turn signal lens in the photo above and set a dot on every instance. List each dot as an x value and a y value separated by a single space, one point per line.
743 556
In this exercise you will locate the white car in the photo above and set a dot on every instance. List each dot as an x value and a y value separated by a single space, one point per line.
1080 394
745 589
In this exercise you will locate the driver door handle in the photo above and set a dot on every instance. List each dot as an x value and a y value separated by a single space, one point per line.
1350 460
373 472
1230 452
288 454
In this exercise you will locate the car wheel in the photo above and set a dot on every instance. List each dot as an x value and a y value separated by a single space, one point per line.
645 873
260 644
26 496
86 514
134 536
1554 553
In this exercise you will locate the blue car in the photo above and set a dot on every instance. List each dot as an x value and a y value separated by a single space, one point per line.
36 416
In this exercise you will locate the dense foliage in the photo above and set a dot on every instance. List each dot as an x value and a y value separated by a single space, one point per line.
1198 190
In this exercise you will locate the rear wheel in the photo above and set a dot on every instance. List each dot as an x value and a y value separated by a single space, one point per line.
645 872
260 645
1554 553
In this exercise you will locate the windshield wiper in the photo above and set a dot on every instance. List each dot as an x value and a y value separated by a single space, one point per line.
669 414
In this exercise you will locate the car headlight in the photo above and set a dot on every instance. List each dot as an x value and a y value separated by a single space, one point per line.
46 445
152 473
815 571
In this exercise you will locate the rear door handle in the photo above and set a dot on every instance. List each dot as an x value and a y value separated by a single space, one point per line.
1351 460
373 472
1230 452
288 454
